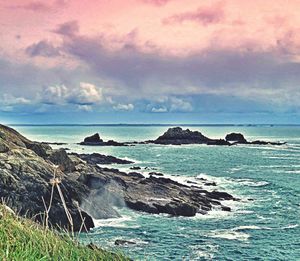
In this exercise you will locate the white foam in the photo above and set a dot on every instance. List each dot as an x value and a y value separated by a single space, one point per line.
252 183
250 227
115 222
290 226
229 235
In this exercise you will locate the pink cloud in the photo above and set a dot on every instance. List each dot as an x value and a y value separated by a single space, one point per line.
156 2
204 15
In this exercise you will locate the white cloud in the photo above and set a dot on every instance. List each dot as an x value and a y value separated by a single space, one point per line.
8 102
55 94
179 105
159 109
85 108
84 94
124 107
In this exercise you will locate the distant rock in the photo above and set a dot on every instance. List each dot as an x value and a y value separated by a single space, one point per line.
178 136
236 137
260 142
95 140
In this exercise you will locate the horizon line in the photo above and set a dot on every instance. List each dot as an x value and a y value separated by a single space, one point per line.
153 124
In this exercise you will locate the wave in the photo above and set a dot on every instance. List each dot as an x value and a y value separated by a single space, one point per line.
290 226
119 222
250 227
229 235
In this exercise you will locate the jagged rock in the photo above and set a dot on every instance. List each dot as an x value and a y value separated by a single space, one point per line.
178 136
39 148
93 139
96 158
24 183
61 158
3 148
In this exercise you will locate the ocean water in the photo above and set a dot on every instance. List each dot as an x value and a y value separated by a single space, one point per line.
264 225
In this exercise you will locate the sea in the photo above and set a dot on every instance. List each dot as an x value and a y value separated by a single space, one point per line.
263 225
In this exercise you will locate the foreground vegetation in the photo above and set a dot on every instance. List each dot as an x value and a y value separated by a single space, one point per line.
22 239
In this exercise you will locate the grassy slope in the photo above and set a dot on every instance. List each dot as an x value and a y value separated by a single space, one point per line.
22 239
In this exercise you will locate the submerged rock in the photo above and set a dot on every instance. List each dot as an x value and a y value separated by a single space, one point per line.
122 242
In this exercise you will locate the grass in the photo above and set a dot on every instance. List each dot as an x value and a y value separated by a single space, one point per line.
23 239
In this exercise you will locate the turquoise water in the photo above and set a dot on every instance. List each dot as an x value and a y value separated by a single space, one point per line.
265 228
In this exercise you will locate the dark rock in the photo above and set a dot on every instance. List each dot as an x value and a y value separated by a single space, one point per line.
3 148
136 174
39 148
224 208
210 184
156 174
96 158
219 195
61 158
259 142
93 139
121 242
53 143
24 183
236 137
178 136
219 142
135 168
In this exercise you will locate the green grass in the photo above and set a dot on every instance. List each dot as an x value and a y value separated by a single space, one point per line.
22 239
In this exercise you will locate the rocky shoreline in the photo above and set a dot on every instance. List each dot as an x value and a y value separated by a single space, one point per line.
26 168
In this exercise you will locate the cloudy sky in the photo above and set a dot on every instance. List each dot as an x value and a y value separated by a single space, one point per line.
150 61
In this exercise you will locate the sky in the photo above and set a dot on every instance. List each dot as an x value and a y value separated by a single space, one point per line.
150 61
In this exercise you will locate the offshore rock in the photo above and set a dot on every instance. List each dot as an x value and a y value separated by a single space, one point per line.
95 140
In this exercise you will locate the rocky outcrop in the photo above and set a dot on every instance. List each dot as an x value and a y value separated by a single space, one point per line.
25 173
97 158
178 136
26 168
236 137
154 194
95 140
